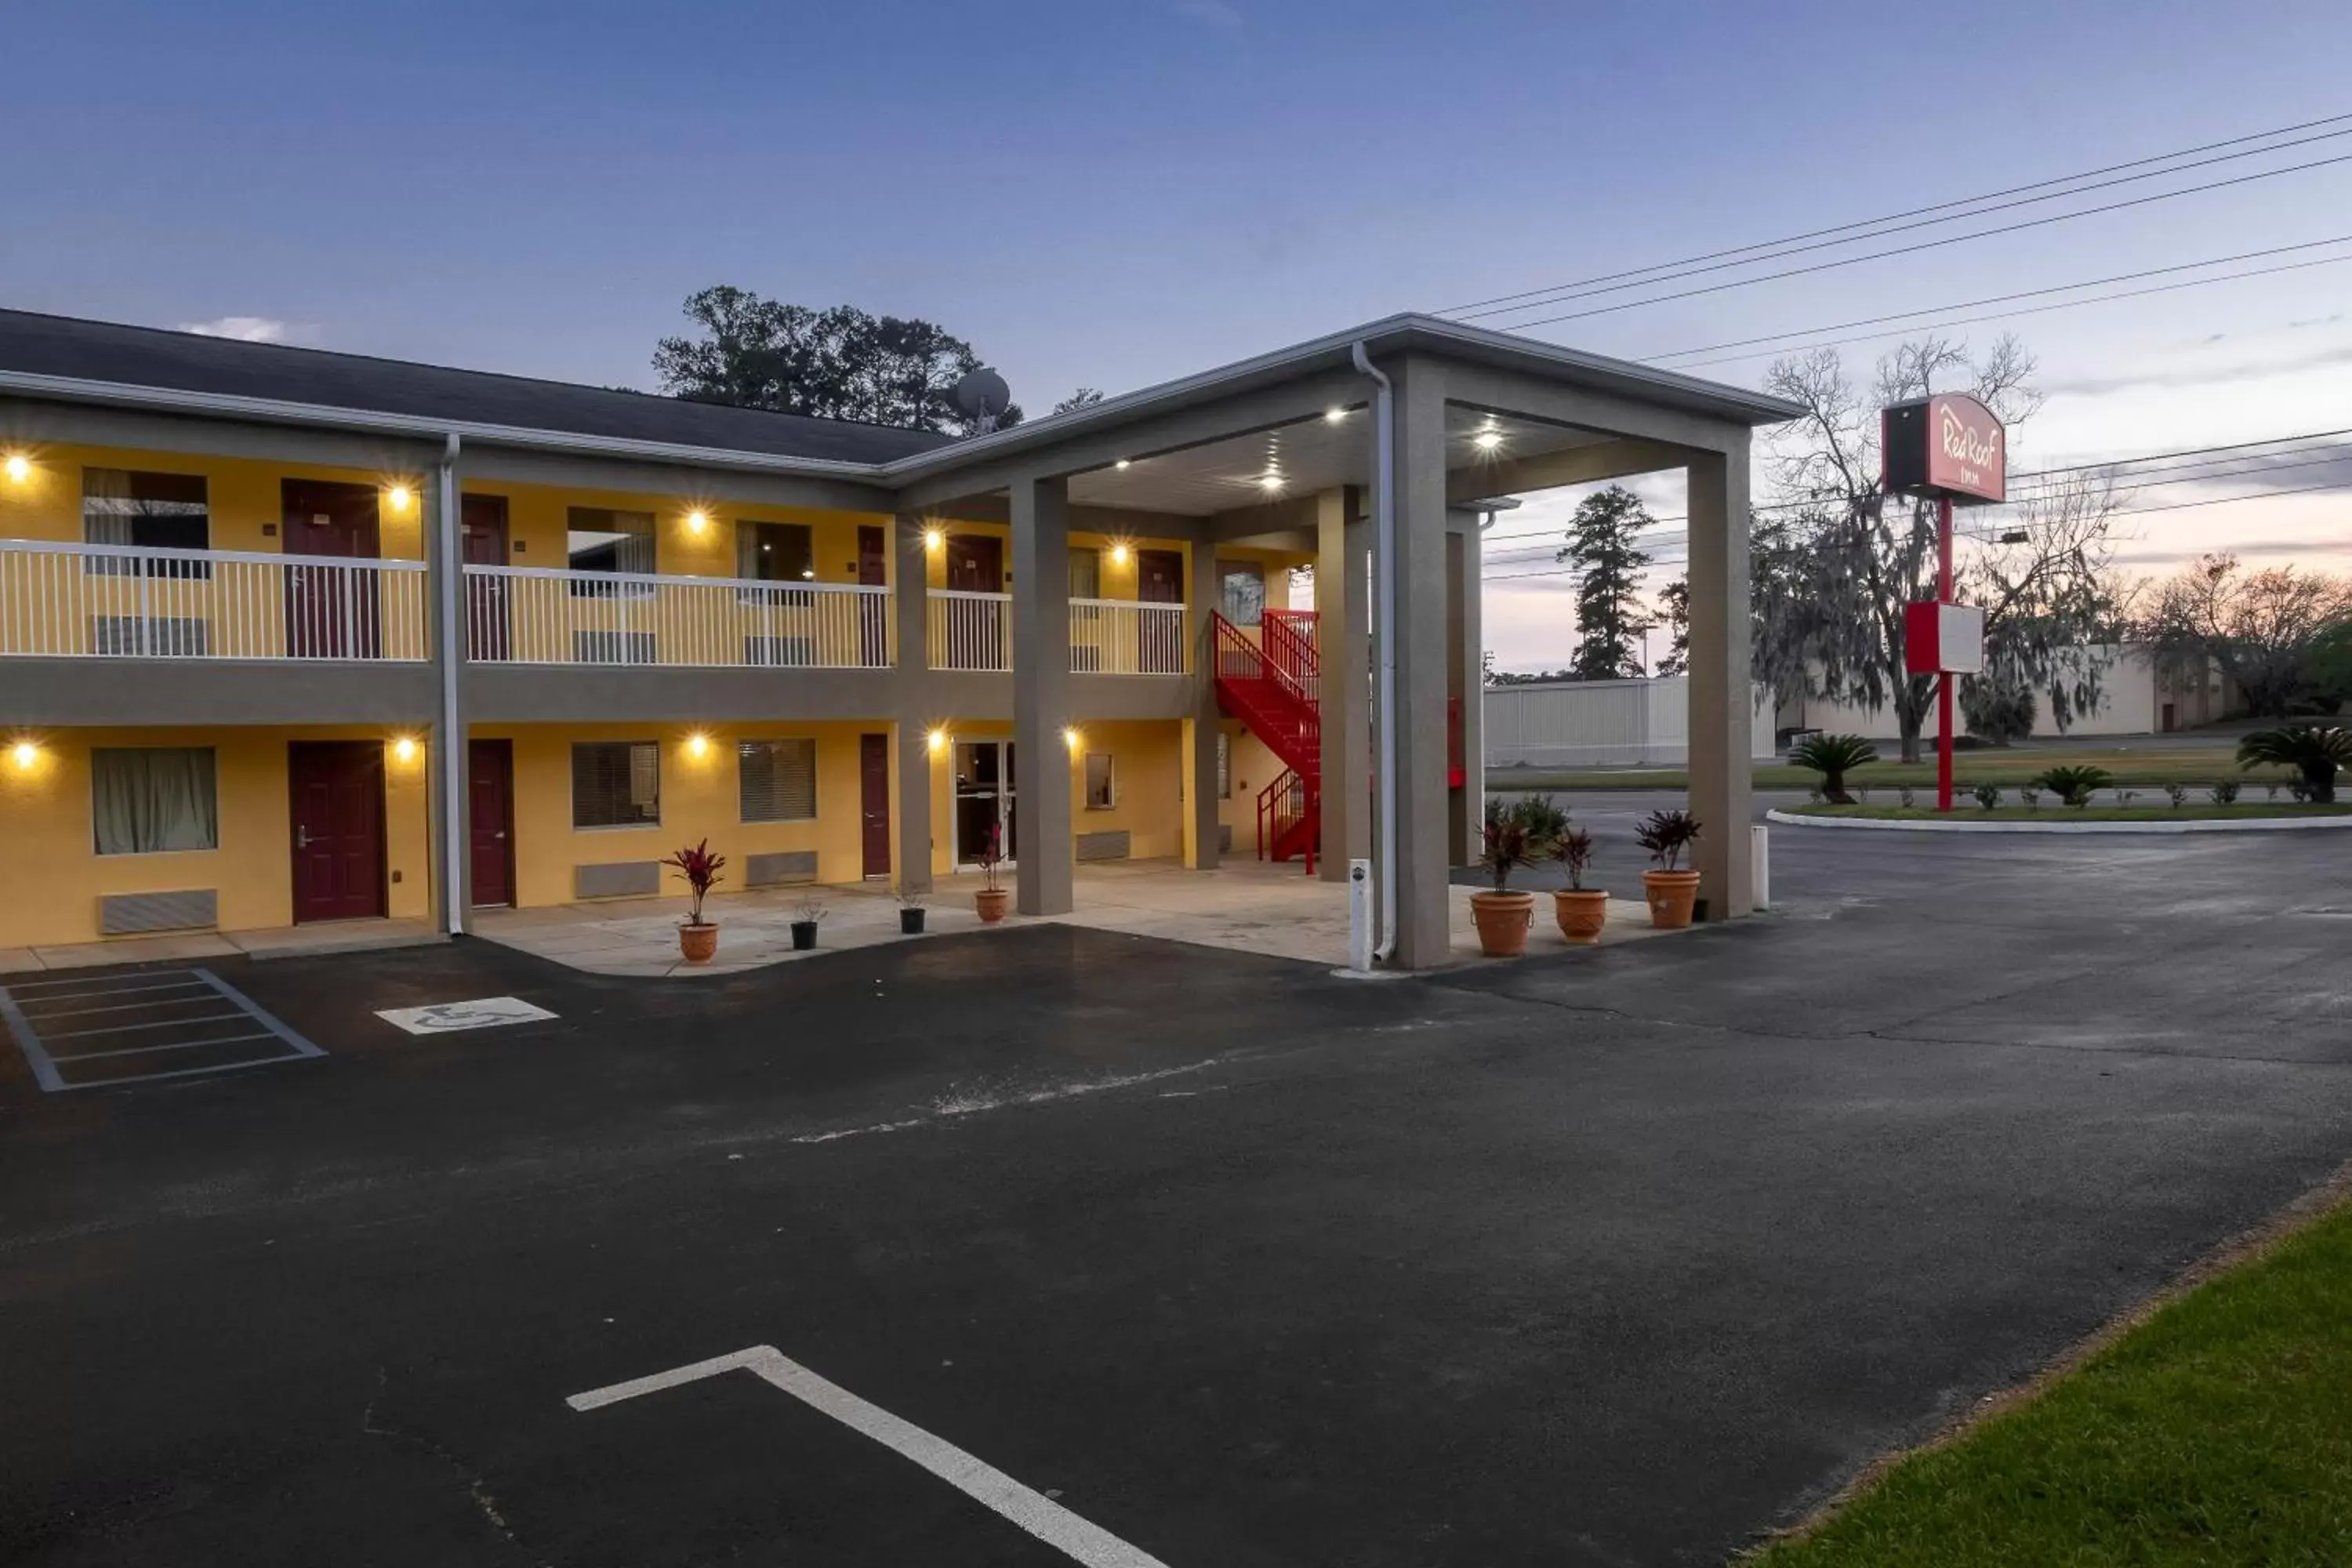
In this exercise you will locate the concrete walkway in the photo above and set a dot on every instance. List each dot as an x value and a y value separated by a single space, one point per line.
1245 906
179 947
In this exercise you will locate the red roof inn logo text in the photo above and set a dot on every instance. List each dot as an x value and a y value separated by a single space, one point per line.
1948 445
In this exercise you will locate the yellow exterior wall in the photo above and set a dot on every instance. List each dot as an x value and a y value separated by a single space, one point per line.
1250 766
1148 766
537 519
57 877
243 495
700 799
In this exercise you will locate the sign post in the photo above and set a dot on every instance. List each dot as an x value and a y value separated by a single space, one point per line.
1951 449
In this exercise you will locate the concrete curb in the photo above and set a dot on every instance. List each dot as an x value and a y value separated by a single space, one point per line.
1880 823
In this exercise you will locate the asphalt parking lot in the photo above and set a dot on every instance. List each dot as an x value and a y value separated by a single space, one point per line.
1053 1244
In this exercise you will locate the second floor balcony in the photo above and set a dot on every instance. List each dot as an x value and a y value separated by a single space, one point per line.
521 614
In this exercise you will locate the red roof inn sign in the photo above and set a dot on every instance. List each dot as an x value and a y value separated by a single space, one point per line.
1951 449
1948 447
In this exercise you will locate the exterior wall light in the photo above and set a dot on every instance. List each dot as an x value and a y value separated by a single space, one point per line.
1072 739
697 521
1119 554
401 497
24 754
934 537
936 739
20 468
697 745
404 750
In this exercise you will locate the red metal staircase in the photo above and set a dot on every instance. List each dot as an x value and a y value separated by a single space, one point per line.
1273 683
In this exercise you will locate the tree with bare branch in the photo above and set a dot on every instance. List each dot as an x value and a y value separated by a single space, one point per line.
2261 627
1833 569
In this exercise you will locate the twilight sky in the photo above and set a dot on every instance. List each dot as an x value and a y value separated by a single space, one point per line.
1108 193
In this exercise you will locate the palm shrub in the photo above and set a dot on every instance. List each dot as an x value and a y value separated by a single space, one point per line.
2177 794
2074 783
2225 792
1665 834
1988 796
1514 834
1833 757
2314 752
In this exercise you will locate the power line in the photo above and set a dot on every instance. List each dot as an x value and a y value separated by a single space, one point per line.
1913 211
2028 310
1995 299
1922 245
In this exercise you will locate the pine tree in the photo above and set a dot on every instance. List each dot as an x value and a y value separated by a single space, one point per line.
1609 619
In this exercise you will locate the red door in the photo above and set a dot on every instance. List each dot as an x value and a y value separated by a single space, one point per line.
489 775
975 563
1160 635
874 786
483 526
873 609
331 611
338 811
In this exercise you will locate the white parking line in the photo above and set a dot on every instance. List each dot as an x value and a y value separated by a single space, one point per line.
1042 1517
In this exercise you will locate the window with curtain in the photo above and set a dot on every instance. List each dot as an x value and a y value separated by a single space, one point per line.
615 783
156 511
776 780
147 800
599 539
774 551
1102 781
1085 573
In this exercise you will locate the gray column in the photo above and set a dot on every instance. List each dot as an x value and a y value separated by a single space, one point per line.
910 608
1423 916
1721 712
1465 805
450 874
1343 539
1200 747
1041 696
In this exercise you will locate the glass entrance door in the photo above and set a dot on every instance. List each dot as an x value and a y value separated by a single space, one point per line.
983 797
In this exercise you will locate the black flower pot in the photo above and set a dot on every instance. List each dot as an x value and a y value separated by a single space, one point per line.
910 922
803 935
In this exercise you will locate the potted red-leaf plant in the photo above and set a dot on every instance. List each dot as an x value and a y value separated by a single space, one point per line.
1581 911
1672 890
1512 836
992 900
697 868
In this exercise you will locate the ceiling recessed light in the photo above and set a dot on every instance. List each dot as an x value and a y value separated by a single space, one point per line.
1123 463
1333 416
1487 440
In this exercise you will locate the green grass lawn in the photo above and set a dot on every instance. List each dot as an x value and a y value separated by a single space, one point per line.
2216 1432
2194 766
2051 811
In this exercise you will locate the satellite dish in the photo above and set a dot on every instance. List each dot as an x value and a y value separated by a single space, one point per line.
983 395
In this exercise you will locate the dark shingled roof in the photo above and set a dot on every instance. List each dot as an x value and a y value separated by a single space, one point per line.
150 356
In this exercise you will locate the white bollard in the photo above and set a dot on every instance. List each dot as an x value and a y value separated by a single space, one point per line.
1359 916
1759 842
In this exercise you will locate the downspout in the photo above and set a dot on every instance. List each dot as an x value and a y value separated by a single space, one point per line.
454 834
1384 620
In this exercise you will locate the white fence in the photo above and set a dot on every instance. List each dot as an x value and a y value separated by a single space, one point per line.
970 630
125 601
524 614
1125 637
1601 724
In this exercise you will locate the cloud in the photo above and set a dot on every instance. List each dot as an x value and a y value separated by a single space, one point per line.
2250 369
249 328
1213 13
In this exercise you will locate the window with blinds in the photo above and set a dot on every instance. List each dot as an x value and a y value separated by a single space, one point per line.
598 539
156 511
774 551
777 780
615 783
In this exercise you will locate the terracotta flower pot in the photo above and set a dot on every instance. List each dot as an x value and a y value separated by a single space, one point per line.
992 903
698 943
1581 912
1502 921
1671 894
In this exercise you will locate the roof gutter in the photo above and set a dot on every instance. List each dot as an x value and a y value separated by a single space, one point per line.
420 427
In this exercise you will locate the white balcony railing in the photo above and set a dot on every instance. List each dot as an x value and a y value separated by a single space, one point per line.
124 601
970 630
526 614
1124 637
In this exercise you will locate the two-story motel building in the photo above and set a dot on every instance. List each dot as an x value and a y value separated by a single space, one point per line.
291 636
